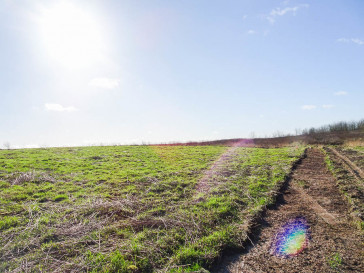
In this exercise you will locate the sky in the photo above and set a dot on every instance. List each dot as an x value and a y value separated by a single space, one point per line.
86 72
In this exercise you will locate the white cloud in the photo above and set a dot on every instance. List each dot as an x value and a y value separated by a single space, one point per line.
343 40
340 93
59 108
283 11
357 41
308 107
351 40
251 31
327 106
105 83
245 16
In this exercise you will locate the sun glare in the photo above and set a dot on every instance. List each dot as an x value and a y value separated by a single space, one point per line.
71 36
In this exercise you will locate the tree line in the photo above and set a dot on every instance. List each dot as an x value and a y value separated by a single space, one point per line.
341 126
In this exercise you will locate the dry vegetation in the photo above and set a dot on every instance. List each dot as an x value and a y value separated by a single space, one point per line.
131 209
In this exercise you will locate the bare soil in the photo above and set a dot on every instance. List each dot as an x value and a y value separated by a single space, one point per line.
349 179
311 193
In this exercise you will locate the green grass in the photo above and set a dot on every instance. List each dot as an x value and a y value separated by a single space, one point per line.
335 261
8 222
359 148
130 208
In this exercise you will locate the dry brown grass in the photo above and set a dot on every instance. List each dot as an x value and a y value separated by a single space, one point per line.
355 143
18 178
71 232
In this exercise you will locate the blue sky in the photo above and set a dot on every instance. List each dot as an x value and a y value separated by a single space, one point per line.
89 72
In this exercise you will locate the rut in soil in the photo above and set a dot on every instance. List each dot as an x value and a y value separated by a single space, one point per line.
335 244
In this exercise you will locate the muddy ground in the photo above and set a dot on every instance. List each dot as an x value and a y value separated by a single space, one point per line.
336 245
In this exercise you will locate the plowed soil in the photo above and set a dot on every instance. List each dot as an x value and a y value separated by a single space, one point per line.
311 193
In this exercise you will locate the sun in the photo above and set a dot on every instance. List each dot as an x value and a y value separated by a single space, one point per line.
71 36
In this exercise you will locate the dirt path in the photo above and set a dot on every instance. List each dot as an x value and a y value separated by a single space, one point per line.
312 194
207 181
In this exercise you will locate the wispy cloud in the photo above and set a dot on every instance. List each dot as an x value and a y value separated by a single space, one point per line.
59 108
351 40
308 107
283 11
328 106
251 31
105 83
340 93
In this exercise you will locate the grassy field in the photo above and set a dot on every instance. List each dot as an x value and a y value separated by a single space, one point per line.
131 208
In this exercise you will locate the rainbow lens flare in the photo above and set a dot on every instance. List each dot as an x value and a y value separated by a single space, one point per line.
292 239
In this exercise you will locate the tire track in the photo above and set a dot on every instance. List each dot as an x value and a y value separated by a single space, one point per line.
310 193
355 170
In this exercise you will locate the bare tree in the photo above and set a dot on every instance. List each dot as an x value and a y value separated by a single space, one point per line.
278 134
252 135
7 145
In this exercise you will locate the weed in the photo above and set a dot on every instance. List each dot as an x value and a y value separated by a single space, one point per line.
334 261
302 184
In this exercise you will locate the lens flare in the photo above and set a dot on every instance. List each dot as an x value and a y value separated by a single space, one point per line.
292 239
